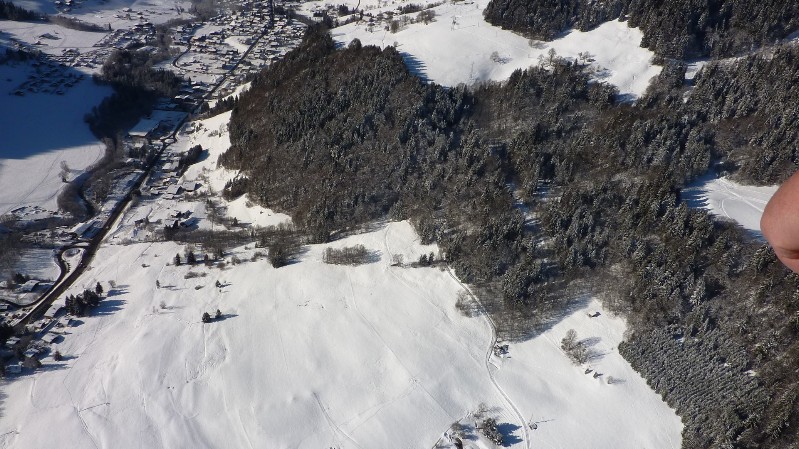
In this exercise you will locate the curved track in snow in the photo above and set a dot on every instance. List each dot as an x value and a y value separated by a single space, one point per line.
490 351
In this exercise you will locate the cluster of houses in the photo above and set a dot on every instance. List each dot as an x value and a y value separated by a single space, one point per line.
166 184
135 37
21 295
161 122
27 349
218 49
72 57
48 77
272 46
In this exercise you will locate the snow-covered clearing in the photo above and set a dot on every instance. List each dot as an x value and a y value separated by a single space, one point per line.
573 409
60 38
38 263
114 12
725 198
458 46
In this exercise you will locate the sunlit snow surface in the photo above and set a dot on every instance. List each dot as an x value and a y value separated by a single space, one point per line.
458 46
725 198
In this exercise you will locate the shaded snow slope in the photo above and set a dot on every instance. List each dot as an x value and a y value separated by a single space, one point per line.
458 46
725 198
39 131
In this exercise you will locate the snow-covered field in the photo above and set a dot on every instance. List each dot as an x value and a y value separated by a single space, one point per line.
725 198
39 131
60 38
114 12
38 263
577 410
458 46
312 355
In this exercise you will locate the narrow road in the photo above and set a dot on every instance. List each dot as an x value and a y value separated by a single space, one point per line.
65 280
513 408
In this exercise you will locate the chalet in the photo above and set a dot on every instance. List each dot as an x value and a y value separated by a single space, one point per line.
11 342
82 229
14 368
173 190
143 130
51 337
54 310
190 186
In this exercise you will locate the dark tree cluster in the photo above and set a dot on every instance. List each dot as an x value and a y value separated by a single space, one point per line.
222 105
235 188
79 305
543 185
283 250
755 103
190 157
76 24
675 28
10 11
349 255
665 356
137 86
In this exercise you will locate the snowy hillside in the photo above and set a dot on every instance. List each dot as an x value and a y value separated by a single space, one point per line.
312 355
457 47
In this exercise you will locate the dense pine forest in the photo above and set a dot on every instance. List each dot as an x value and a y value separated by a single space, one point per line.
10 11
542 188
673 29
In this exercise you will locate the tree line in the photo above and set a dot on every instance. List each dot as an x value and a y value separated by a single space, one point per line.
137 86
672 29
543 187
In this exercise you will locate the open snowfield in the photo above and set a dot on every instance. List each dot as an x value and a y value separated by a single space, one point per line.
576 410
60 38
40 130
726 198
457 47
312 355
104 12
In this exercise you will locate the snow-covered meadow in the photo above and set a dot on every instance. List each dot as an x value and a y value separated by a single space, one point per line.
731 200
457 47
313 355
